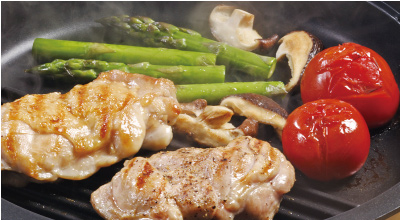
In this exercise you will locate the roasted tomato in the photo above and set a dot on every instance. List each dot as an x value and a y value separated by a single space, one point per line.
357 75
326 139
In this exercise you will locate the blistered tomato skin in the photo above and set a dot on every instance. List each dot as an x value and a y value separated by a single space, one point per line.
357 75
326 139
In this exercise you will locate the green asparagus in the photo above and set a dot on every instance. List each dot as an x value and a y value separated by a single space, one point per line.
160 34
214 92
87 70
46 50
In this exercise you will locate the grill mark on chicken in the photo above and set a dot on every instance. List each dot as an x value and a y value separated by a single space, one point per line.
81 94
144 176
38 103
57 120
247 175
9 143
14 113
105 112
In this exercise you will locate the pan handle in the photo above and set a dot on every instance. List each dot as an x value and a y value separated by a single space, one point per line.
387 9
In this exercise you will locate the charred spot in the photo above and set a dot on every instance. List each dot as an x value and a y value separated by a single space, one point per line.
81 90
144 175
9 145
130 165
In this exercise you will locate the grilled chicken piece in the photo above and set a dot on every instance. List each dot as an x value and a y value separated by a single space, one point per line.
209 125
247 177
95 125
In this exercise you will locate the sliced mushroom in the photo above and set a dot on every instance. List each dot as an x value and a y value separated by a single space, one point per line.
299 47
268 43
194 108
258 107
249 127
216 116
209 125
234 27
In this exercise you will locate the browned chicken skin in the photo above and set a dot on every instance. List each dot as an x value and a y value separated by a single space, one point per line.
72 135
248 176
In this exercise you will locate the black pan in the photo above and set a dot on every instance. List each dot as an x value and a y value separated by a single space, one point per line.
372 193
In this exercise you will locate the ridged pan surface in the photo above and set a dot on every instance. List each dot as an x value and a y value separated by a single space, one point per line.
373 192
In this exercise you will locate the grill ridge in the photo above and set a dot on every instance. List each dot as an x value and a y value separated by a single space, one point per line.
71 200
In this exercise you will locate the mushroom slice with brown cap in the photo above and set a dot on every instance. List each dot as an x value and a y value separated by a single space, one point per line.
234 27
268 43
258 107
299 47
209 125
195 107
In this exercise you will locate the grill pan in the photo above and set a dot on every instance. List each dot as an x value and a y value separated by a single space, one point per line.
372 193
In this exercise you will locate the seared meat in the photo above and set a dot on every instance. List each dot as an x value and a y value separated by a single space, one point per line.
95 125
209 125
247 176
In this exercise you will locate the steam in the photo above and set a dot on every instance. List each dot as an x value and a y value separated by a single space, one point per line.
25 21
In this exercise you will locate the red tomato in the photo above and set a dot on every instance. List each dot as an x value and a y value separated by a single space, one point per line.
357 75
326 139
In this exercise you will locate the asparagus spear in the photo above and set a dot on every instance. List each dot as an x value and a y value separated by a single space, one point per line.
87 70
46 50
160 34
214 92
